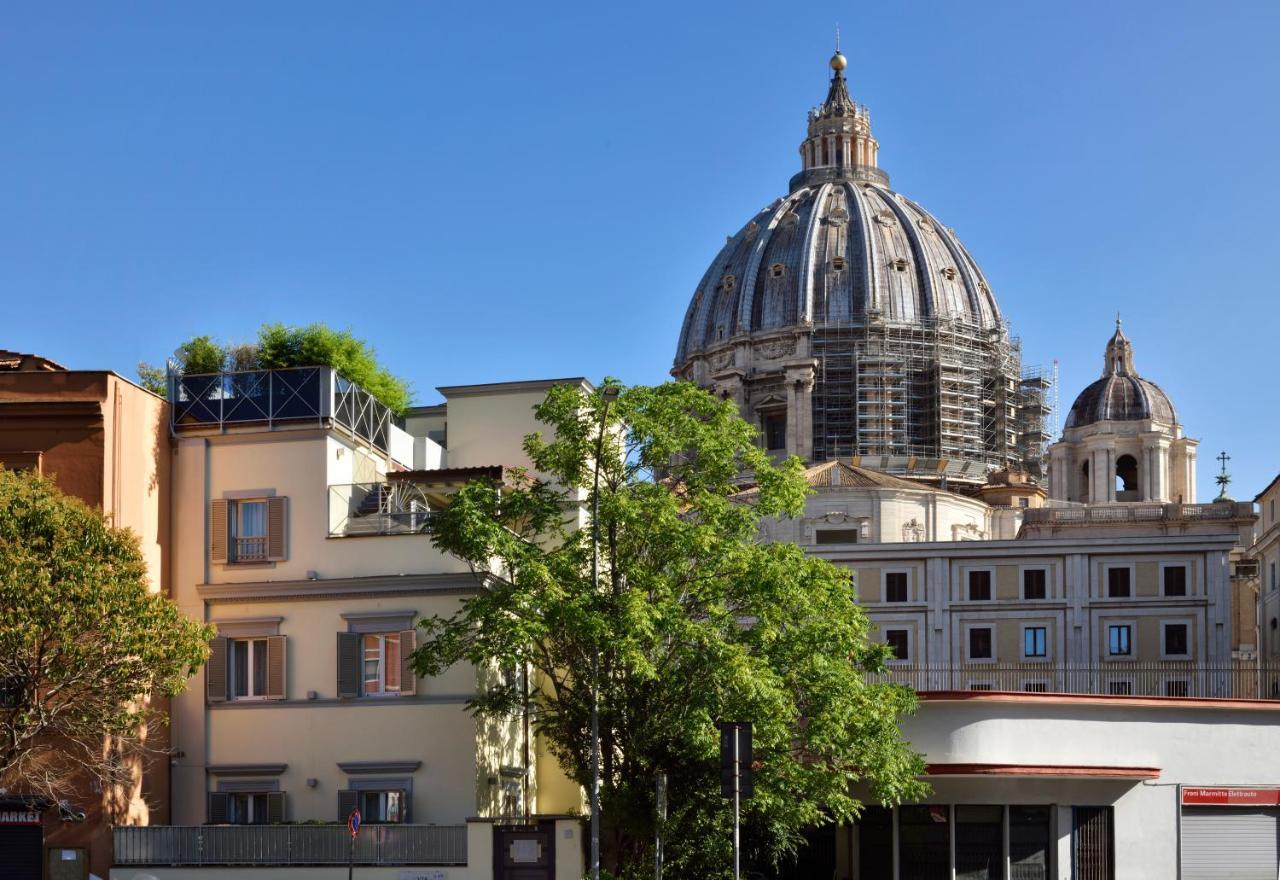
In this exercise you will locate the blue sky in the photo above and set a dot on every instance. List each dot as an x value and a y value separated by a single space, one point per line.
498 191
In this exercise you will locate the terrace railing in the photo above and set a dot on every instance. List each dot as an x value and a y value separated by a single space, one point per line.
394 507
271 397
290 845
1135 513
1239 680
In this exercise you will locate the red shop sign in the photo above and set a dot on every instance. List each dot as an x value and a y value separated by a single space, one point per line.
1232 797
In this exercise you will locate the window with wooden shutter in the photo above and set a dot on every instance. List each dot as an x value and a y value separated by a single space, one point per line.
348 802
215 672
408 681
219 808
349 665
275 807
277 529
218 531
276 681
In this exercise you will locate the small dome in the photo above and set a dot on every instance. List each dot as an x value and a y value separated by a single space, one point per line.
1121 395
839 62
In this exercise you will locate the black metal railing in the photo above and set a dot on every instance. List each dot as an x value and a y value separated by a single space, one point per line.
297 394
290 845
1239 680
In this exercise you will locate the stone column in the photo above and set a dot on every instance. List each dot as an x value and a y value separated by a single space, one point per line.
801 375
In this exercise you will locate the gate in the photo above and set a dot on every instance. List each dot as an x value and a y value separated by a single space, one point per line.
524 852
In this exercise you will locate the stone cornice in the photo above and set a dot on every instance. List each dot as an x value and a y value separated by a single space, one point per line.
446 584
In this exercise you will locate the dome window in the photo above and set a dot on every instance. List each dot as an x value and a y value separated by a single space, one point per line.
899 264
949 273
729 282
885 218
777 270
837 264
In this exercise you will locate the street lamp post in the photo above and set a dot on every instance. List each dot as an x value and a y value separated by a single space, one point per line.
608 394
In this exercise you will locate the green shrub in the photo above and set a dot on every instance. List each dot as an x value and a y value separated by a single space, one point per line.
280 347
200 354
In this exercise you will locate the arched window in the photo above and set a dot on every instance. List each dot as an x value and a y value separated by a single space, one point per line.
1126 478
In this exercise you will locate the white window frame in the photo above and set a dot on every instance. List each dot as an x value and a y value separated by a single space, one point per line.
235 518
884 584
249 673
383 689
991 573
250 807
911 646
1176 621
968 644
1133 639
385 797
1048 582
1105 591
1186 574
1048 645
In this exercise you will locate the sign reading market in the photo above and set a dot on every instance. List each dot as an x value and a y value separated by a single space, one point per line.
1231 797
19 817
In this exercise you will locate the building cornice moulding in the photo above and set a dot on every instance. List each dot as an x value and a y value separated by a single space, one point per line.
452 583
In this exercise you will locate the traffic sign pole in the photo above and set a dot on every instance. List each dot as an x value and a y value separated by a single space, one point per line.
737 798
353 825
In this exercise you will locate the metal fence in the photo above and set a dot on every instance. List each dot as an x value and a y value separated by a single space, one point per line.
1240 680
296 394
290 845
395 507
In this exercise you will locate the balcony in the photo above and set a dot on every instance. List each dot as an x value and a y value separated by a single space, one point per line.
271 398
1143 513
1238 680
289 845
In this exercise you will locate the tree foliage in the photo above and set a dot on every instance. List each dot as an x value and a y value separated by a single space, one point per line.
83 643
280 347
694 621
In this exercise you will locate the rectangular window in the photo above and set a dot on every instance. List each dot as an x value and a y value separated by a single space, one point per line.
980 686
248 531
248 673
980 643
836 536
924 842
1034 583
247 809
895 586
900 641
979 841
775 431
382 807
979 586
1175 640
1175 580
1122 688
381 663
1118 583
1176 688
1120 640
1036 687
1035 642
1030 842
1273 576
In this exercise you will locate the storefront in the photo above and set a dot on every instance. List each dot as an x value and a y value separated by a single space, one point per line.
21 841
1230 832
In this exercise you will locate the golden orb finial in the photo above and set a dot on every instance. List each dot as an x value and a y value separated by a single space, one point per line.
839 62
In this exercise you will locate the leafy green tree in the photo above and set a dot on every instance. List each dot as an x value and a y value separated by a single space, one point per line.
84 645
153 378
695 620
317 344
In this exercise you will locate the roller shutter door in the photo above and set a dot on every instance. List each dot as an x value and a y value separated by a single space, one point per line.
1225 843
21 852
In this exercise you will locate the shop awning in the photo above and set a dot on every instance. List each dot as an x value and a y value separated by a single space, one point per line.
1044 771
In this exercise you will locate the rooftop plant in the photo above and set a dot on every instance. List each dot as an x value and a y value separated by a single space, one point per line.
280 347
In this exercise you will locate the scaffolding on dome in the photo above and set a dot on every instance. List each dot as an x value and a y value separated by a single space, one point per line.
938 399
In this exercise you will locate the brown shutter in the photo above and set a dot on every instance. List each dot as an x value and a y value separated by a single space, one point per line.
275 807
276 680
215 672
408 681
348 665
218 808
348 802
277 529
218 531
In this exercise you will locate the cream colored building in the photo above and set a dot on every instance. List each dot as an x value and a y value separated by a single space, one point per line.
1264 554
301 530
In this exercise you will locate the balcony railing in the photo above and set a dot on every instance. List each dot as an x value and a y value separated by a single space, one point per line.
290 845
395 507
271 397
251 549
1135 513
1239 680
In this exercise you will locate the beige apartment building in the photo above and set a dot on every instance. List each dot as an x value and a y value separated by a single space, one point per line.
301 530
